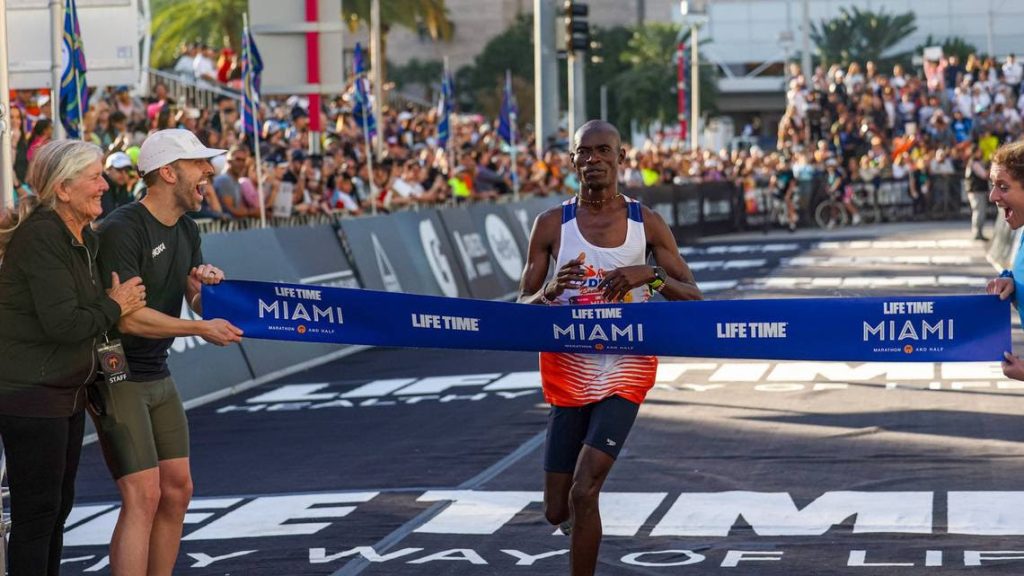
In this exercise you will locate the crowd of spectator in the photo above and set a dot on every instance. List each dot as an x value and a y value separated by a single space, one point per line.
852 123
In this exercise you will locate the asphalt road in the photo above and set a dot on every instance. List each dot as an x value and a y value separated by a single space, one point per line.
406 462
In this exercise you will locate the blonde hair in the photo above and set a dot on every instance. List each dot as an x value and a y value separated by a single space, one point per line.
54 163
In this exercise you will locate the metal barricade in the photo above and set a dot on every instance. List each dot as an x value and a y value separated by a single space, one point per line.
189 92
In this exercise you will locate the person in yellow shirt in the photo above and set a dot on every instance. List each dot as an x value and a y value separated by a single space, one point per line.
988 143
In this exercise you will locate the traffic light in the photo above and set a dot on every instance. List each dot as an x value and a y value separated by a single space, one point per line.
577 29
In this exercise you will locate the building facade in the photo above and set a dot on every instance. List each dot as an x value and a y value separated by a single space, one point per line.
747 40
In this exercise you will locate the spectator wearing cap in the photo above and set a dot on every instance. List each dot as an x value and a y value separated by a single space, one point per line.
187 119
116 172
272 143
142 427
129 105
298 132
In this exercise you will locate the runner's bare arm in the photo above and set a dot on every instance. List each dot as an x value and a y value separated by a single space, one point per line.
679 281
533 289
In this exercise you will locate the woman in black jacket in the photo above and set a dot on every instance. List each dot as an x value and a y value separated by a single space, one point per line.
53 312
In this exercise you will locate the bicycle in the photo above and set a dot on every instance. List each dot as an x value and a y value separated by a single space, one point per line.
774 213
833 212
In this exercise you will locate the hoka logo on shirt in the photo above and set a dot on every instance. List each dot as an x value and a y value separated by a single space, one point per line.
159 249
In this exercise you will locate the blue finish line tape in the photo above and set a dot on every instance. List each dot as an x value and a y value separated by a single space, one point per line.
886 329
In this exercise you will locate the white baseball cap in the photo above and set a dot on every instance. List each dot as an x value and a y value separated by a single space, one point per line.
118 160
163 147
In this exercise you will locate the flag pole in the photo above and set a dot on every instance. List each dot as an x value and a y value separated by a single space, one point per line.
56 74
370 162
247 87
513 136
449 148
6 156
78 83
369 153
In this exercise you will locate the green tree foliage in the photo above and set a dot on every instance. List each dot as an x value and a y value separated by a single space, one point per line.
860 35
604 65
477 84
952 45
417 72
637 65
177 22
427 17
646 89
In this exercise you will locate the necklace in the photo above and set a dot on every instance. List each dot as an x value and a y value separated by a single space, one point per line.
582 200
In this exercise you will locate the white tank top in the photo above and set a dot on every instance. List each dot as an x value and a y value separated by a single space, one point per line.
580 379
632 252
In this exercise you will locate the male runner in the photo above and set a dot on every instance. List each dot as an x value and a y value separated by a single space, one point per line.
600 241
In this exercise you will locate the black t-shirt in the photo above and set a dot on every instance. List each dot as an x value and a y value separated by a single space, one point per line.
134 243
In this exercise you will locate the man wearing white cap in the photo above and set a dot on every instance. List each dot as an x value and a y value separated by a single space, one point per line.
115 172
140 419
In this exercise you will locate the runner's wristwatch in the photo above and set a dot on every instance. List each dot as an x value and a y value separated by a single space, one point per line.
659 279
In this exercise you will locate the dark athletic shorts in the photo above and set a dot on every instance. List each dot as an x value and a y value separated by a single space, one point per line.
602 425
142 423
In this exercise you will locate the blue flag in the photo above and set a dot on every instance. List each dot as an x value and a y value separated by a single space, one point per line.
74 93
362 110
509 112
444 110
252 67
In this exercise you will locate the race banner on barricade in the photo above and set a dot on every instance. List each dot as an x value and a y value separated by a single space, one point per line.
880 329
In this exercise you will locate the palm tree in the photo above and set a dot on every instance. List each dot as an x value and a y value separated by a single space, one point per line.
860 35
178 22
424 16
646 91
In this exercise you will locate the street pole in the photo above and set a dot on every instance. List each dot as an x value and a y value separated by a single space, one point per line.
6 158
604 102
545 73
805 42
378 64
56 50
694 86
313 74
577 92
681 88
988 28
